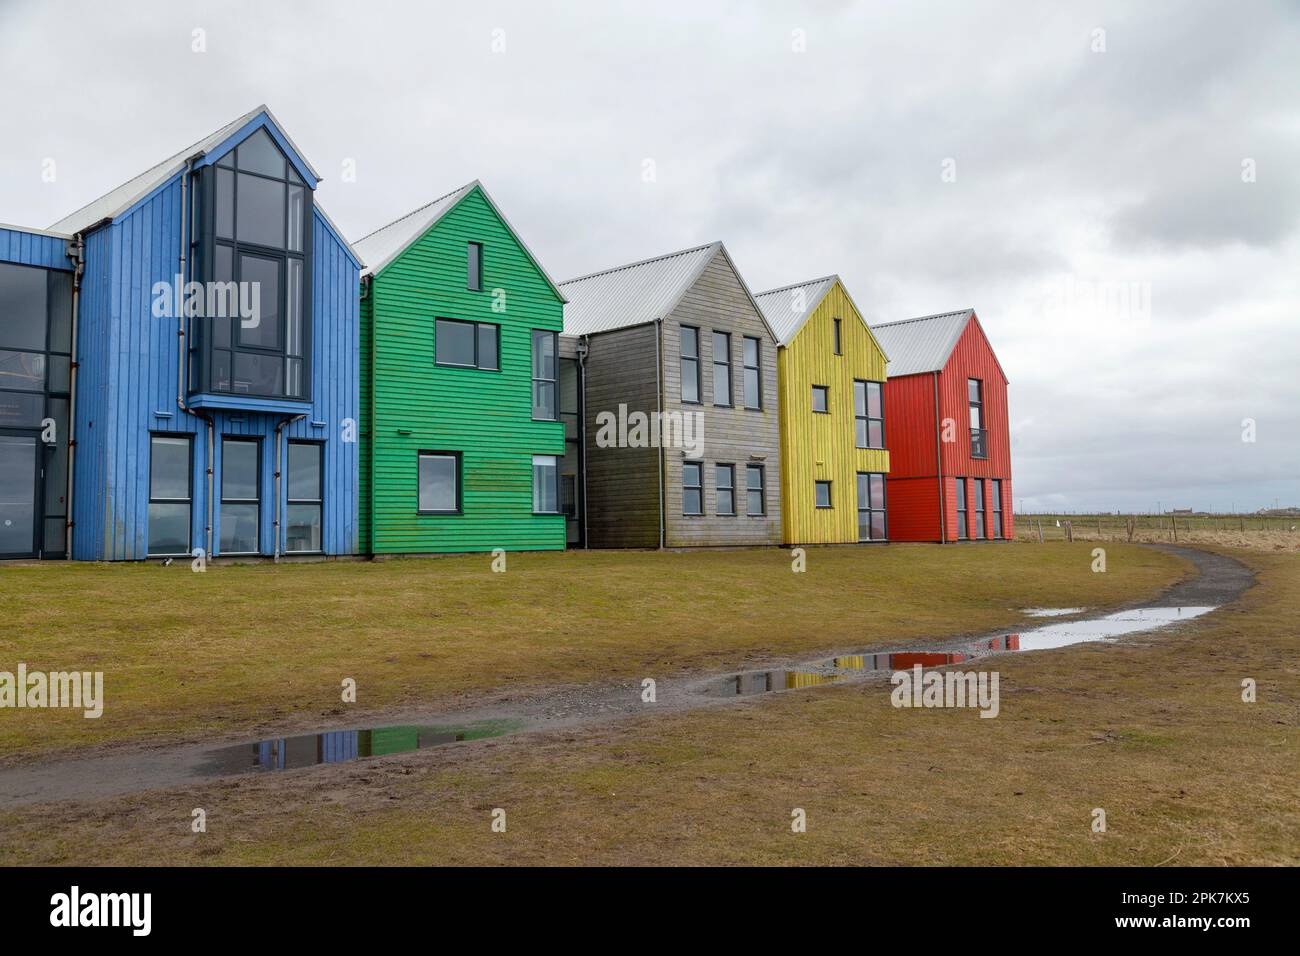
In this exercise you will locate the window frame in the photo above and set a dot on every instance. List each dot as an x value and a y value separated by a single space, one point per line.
222 501
963 517
756 368
458 458
536 381
977 406
476 325
730 469
319 503
996 491
866 415
825 391
474 280
726 365
838 332
818 484
682 359
883 510
555 471
761 489
981 529
699 487
189 500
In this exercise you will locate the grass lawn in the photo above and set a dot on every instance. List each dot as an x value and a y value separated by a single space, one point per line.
1154 732
240 647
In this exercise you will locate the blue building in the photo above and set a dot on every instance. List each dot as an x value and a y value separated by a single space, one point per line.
213 390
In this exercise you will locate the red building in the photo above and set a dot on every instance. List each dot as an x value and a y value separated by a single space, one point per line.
946 430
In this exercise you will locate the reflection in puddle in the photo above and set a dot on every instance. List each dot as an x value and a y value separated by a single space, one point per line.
338 746
1053 611
1048 637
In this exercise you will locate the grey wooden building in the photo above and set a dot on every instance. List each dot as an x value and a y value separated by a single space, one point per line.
670 369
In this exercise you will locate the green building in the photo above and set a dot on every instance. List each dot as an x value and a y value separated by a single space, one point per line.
460 431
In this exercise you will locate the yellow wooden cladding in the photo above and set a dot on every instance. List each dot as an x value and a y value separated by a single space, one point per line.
822 447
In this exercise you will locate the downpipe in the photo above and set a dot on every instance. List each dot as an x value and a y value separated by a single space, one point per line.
76 252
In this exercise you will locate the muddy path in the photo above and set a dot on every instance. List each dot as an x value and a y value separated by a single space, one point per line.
1217 581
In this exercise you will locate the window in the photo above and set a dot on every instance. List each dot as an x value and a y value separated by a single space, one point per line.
467 344
546 375
439 483
241 483
753 385
474 267
839 346
872 523
997 508
722 369
978 434
724 480
692 488
690 364
303 494
868 415
754 502
822 492
820 398
963 531
979 508
546 485
170 494
255 336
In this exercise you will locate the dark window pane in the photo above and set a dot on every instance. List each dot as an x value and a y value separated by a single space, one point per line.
874 408
21 409
877 525
454 343
877 498
302 528
474 267
860 433
297 212
487 346
17 493
973 389
221 370
304 471
819 398
721 369
22 370
690 474
169 528
225 201
259 319
860 399
691 504
293 308
754 489
239 529
876 436
259 215
239 469
60 311
257 374
23 292
56 460
169 467
864 525
823 491
751 388
438 483
544 401
259 154
690 380
690 341
293 382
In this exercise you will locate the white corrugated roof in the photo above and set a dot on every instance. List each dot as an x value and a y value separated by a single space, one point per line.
633 294
126 195
787 308
384 245
922 344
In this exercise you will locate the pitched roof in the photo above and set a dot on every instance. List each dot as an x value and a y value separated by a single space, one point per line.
633 294
922 344
788 308
116 201
386 243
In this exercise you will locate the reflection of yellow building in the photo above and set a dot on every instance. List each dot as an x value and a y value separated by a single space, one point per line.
797 679
830 376
853 662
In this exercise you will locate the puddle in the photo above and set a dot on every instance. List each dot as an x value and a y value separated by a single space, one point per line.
1053 611
1048 637
339 746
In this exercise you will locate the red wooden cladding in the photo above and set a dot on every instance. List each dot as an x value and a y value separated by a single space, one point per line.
912 430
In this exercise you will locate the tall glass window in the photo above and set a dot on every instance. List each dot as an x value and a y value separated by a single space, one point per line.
721 368
754 500
241 499
692 488
546 375
254 337
690 364
724 479
978 434
751 350
979 508
170 494
546 485
304 496
997 508
963 531
871 506
868 415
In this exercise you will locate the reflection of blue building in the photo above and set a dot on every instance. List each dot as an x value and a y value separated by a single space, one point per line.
234 433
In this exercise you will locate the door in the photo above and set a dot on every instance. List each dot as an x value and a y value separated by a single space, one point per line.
19 485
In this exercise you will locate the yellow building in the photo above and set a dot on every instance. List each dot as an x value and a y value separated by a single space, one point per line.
830 380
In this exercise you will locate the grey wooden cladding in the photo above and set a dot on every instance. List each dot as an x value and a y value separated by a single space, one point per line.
622 368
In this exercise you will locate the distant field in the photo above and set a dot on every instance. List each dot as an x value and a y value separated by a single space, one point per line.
1252 532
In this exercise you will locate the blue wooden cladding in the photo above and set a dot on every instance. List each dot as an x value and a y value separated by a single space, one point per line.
128 373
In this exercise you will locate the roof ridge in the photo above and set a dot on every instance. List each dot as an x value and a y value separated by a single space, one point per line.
163 162
795 285
432 202
643 262
922 318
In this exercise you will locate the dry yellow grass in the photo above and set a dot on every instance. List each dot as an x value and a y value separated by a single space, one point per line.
1154 732
238 648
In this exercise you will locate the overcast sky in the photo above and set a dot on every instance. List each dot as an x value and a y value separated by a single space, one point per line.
1075 172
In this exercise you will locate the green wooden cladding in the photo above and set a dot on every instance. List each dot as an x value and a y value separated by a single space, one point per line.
411 404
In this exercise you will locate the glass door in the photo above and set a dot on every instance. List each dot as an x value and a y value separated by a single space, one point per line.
19 481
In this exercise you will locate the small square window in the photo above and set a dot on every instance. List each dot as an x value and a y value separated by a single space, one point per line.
823 492
820 398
